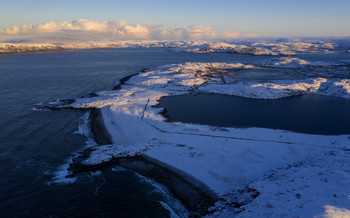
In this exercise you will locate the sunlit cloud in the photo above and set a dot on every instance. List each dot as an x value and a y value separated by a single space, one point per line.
331 211
196 32
117 30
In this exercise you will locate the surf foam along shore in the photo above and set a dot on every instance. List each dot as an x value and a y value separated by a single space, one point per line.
233 163
271 48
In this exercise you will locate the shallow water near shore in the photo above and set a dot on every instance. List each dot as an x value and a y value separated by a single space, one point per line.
34 144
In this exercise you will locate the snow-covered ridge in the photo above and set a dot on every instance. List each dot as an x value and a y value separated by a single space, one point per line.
227 160
197 46
8 48
261 48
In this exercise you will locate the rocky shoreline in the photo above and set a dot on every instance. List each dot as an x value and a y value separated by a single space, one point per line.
193 194
102 136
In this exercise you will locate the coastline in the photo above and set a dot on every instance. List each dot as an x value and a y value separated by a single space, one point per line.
192 193
98 128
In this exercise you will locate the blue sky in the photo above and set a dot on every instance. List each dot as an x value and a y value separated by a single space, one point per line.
278 18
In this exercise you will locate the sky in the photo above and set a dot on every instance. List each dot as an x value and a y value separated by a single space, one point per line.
177 19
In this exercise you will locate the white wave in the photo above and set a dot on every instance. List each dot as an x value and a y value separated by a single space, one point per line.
59 176
84 130
98 175
170 203
118 169
172 212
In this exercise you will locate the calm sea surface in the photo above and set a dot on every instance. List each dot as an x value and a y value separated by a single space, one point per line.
313 114
34 144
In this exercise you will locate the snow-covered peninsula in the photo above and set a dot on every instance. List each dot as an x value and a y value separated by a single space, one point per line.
248 172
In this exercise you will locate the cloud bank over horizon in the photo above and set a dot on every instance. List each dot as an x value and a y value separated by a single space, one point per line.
90 30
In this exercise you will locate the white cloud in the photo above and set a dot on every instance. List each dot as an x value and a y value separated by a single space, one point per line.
116 30
82 26
196 32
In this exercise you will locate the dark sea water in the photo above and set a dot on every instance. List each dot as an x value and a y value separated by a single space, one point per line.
328 57
259 74
35 144
311 114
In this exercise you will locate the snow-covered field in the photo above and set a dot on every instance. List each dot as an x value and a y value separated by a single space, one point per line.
292 174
